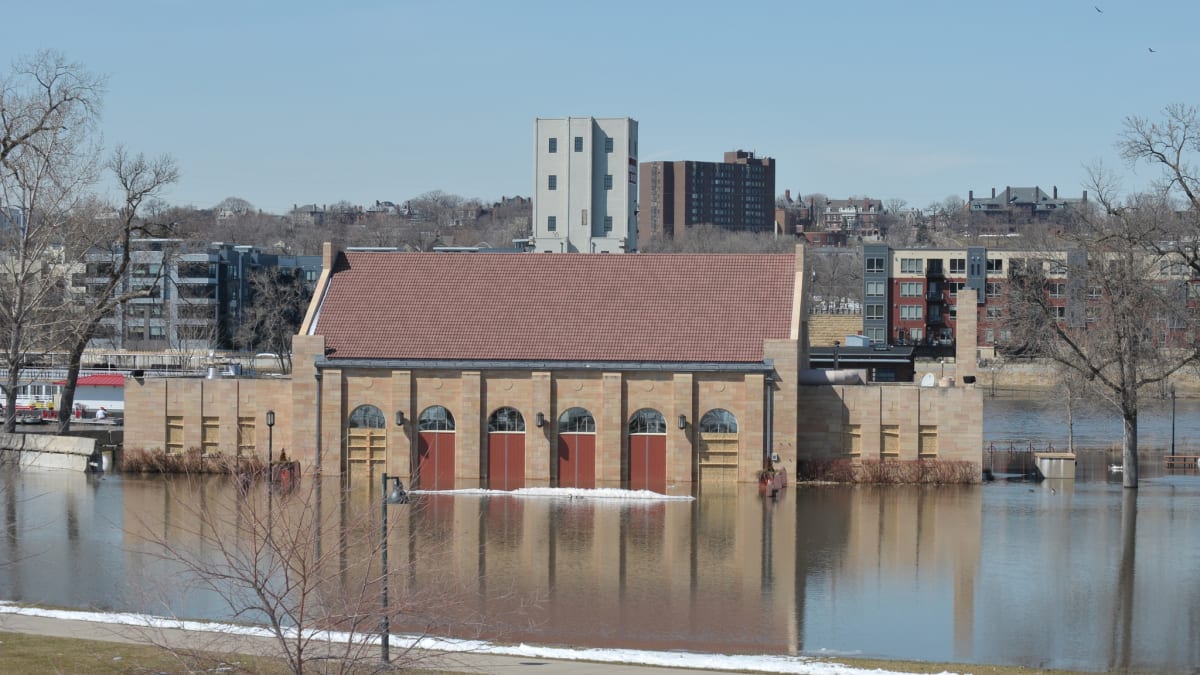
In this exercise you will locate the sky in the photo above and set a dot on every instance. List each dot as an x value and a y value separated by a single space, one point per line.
285 103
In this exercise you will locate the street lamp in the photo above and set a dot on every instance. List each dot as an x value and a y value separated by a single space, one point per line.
270 457
396 495
1172 419
270 442
993 381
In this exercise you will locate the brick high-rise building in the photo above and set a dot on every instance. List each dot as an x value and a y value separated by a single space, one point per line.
736 194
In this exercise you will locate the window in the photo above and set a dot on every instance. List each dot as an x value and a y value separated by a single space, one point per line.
875 289
174 434
608 144
912 312
608 223
875 264
551 223
927 445
876 335
245 436
852 440
608 181
989 336
958 266
874 312
910 289
955 287
1095 292
1058 289
995 265
992 289
916 334
210 435
553 145
552 182
1060 313
993 313
911 266
579 144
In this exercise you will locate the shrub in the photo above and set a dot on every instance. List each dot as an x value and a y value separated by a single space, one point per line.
191 462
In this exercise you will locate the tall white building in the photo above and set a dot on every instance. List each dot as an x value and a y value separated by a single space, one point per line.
585 185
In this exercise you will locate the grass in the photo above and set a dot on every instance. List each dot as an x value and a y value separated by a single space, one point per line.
23 653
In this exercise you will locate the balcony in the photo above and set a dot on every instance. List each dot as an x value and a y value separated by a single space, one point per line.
936 297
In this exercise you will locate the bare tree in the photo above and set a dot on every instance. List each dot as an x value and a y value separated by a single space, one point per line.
286 560
140 179
1126 324
274 313
48 108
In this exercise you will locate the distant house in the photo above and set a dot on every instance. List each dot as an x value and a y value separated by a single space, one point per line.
93 392
1017 205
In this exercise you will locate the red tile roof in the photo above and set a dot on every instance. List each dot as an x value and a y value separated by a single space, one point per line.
105 380
559 307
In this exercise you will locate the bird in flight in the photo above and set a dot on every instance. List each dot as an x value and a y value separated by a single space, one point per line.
1098 9
1151 50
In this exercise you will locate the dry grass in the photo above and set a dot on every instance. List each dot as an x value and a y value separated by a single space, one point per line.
190 462
889 472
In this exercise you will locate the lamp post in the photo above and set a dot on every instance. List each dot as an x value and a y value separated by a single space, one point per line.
993 381
270 442
396 495
270 458
1172 419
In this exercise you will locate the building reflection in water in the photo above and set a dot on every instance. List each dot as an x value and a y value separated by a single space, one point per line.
1004 573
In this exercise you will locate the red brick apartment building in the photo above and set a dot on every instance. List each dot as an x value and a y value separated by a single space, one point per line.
736 194
910 295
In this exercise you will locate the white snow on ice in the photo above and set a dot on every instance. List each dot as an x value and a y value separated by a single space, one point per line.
721 662
563 493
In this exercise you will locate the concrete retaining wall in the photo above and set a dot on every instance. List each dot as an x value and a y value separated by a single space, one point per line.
42 451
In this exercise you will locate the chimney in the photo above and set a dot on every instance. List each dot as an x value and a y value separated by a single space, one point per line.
1055 193
993 193
970 196
1085 196
787 196
1007 194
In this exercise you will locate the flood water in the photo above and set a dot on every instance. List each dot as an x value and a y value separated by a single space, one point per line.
1080 575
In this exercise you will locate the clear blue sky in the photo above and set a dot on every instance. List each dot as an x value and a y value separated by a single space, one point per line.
283 103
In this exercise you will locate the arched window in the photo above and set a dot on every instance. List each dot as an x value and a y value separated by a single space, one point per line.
506 419
718 421
367 417
647 421
435 418
576 421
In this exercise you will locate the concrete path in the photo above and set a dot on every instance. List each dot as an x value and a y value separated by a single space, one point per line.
239 644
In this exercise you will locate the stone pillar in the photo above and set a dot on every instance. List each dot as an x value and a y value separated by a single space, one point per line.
540 453
610 429
681 443
966 337
470 432
400 439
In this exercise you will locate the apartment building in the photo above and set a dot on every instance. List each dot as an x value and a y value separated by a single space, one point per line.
198 293
910 295
585 185
735 194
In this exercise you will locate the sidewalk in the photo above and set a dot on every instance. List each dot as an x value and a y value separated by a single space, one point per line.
242 644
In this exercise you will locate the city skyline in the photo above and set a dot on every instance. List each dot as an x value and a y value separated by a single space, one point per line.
292 103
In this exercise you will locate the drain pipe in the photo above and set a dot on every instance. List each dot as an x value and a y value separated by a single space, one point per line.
318 444
769 422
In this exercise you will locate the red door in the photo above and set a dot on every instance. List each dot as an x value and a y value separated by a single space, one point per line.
648 462
577 460
435 460
506 460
